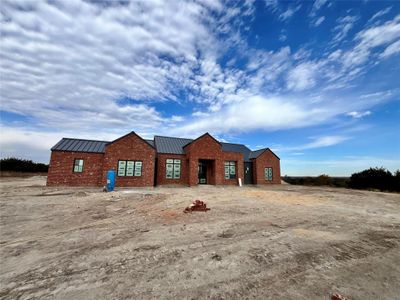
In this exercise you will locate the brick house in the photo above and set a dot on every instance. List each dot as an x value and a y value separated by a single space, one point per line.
161 161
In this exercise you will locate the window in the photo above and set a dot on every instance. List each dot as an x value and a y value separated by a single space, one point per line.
78 165
129 168
268 174
230 170
173 169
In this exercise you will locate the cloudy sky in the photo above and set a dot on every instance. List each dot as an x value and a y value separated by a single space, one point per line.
318 82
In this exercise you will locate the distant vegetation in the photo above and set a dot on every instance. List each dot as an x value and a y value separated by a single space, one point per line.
22 165
378 179
318 181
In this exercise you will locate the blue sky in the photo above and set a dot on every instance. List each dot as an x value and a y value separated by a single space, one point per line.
316 81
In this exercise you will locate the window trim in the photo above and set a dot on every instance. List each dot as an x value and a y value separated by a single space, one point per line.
173 168
266 176
73 166
134 167
230 163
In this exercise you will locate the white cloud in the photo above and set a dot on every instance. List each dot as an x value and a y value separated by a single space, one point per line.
390 50
317 6
381 13
257 112
358 114
302 77
289 13
318 21
318 142
345 24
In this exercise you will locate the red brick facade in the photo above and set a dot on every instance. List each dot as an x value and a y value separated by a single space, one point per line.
62 164
266 160
132 147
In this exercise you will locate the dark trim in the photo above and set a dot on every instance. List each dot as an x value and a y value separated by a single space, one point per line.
102 153
73 166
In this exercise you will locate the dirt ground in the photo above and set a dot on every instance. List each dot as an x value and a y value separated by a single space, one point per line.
279 242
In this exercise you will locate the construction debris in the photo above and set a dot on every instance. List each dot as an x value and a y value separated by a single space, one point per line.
197 205
336 296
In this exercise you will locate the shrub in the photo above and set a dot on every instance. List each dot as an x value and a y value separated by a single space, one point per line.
21 165
376 179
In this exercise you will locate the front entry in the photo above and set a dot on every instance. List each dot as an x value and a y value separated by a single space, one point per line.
202 172
206 171
248 173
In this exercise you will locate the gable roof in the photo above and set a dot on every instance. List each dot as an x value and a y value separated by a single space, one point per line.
203 135
170 145
79 145
162 144
228 147
257 153
134 133
174 145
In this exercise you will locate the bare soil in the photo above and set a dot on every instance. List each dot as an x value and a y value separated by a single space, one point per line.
276 242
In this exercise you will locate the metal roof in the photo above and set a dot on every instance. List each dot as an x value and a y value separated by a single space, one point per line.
170 145
257 153
78 145
163 144
151 142
173 145
228 147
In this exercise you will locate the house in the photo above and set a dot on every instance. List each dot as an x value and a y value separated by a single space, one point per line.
162 161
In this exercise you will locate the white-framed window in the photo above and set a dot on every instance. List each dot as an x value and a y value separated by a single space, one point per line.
78 165
173 168
230 169
129 168
268 173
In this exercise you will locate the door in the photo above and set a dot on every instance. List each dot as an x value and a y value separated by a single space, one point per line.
248 173
202 173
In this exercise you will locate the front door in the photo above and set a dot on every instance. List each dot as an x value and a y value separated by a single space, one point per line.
202 173
248 173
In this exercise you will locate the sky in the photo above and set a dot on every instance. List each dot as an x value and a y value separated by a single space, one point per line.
318 82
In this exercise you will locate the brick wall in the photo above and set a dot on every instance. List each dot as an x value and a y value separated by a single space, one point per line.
266 159
206 147
233 156
130 147
161 169
61 169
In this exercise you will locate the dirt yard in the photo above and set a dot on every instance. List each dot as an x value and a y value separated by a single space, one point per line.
280 242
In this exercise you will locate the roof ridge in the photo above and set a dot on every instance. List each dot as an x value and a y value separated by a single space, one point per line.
172 137
64 138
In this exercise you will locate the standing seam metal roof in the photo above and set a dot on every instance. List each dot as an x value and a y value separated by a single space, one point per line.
163 144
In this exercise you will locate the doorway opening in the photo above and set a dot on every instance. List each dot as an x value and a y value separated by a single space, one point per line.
206 171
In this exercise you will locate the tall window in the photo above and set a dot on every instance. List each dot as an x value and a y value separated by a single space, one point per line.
230 170
268 174
78 165
173 169
130 168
